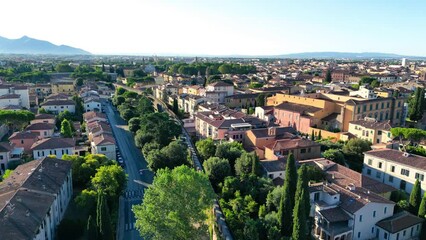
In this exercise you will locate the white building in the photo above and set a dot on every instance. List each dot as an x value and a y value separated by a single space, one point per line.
53 146
364 92
94 117
217 91
14 95
104 144
92 105
395 168
36 196
401 226
58 106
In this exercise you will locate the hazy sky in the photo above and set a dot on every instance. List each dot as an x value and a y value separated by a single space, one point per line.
221 27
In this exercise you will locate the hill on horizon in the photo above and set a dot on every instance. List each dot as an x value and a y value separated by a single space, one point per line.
27 45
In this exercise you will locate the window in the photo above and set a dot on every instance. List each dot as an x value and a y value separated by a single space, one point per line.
405 172
380 164
385 210
359 234
383 105
377 106
103 149
370 161
368 171
22 141
390 179
359 110
379 132
402 185
360 218
419 176
392 168
372 230
374 214
316 196
371 107
385 235
397 236
1 157
303 150
403 233
397 114
364 108
387 104
399 104
378 174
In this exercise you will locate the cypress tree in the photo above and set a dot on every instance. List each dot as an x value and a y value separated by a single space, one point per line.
319 135
415 197
103 219
287 200
422 208
313 135
302 185
92 230
417 105
299 220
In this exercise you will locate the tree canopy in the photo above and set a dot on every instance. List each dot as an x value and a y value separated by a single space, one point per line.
175 205
206 148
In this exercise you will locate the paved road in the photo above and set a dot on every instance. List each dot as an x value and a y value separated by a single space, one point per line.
134 161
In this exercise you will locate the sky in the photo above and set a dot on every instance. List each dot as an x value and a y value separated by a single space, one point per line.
221 27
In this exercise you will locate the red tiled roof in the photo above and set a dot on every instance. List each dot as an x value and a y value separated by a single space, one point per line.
399 157
52 143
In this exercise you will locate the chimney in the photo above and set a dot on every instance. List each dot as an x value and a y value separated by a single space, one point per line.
272 131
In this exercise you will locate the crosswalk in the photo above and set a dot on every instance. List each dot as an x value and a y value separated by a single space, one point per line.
133 193
130 226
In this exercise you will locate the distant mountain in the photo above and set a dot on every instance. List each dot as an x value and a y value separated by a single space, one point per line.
348 55
27 45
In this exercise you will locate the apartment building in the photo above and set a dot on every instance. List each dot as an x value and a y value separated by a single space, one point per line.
104 144
371 130
58 106
395 168
341 109
241 100
14 95
53 146
217 91
35 198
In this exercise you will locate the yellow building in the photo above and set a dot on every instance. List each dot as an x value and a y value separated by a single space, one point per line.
371 130
63 87
339 110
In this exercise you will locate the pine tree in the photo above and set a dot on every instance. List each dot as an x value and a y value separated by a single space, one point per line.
313 135
299 220
319 135
103 219
422 208
287 200
92 230
415 197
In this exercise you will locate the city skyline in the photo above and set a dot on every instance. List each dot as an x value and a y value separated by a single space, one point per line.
221 27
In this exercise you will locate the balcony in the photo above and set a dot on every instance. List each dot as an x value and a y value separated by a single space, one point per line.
333 231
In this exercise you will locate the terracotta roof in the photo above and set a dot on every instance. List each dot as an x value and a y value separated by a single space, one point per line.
399 157
58 102
399 222
292 144
44 116
30 190
24 135
220 84
52 143
243 96
344 176
384 125
40 126
293 107
273 165
87 116
104 139
335 215
58 96
280 132
12 107
5 147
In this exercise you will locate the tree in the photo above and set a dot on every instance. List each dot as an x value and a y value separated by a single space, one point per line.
92 230
375 84
79 109
230 151
66 130
247 164
299 219
328 76
79 82
260 100
148 147
134 124
319 135
287 199
145 106
103 219
313 135
217 169
366 80
334 155
415 197
175 108
171 156
356 146
175 205
422 208
206 148
302 189
111 180
412 135
417 105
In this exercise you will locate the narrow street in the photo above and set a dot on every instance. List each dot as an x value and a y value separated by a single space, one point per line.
134 161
